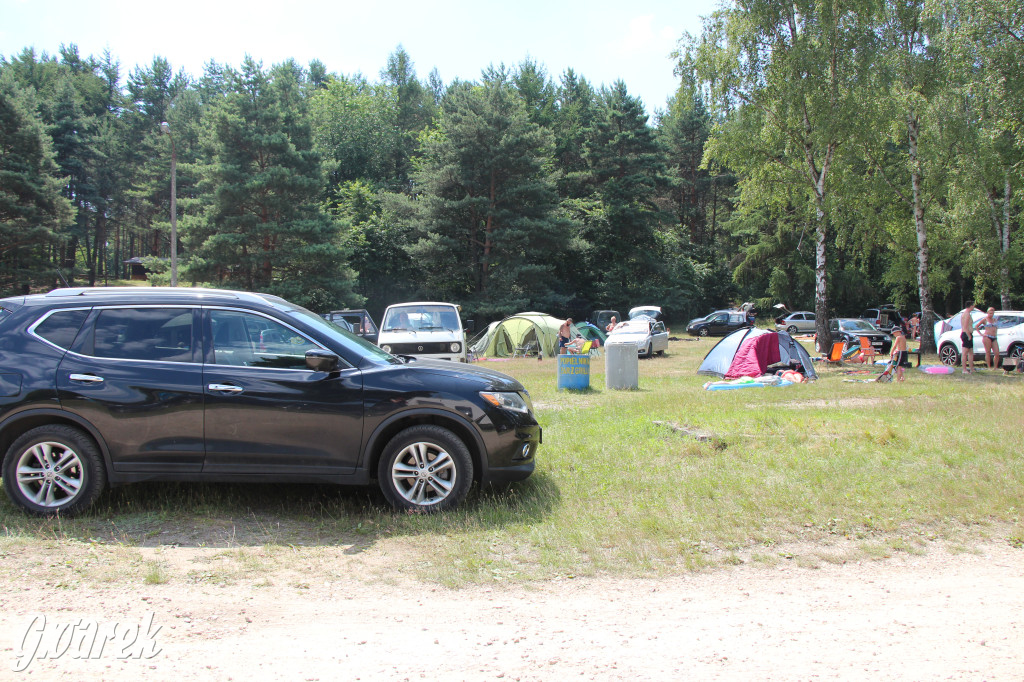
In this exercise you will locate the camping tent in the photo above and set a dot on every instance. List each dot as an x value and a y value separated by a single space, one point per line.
590 331
516 331
741 347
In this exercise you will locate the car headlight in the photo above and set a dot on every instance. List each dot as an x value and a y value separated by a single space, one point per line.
386 348
456 347
506 401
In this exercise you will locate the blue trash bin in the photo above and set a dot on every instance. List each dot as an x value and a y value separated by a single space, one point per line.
574 372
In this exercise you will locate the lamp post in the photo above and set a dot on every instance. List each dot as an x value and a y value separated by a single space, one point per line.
165 128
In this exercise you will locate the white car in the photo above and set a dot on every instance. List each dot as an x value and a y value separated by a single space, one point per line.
425 329
649 336
1009 335
651 311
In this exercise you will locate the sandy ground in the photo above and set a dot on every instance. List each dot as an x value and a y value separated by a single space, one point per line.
935 616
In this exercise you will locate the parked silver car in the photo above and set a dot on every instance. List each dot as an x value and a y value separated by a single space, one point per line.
649 335
800 322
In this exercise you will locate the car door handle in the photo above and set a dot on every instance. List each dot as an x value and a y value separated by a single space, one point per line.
225 388
87 378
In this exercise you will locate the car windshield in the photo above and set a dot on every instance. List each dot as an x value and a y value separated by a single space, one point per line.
857 326
420 318
634 326
357 345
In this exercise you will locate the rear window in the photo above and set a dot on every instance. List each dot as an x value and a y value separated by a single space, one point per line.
144 334
61 327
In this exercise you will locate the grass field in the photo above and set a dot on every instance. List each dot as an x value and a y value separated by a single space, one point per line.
826 471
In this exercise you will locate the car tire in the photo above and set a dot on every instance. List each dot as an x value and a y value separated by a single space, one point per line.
948 355
1016 351
703 331
425 468
54 470
791 329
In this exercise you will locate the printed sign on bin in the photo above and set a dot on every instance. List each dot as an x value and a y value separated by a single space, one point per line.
574 372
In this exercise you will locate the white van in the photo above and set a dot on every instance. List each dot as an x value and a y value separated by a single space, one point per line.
423 330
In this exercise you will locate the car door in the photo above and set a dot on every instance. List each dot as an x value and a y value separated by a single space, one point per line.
719 325
659 337
134 373
266 412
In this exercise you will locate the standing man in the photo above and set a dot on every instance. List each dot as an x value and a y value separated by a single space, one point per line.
899 356
967 338
564 334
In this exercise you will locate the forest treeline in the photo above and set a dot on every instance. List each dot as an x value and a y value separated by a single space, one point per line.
827 156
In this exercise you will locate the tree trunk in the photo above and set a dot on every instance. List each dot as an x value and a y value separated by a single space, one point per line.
924 290
1004 272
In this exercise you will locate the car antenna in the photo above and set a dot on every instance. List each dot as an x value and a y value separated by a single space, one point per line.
63 281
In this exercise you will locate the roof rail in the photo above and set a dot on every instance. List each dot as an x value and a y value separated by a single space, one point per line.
153 291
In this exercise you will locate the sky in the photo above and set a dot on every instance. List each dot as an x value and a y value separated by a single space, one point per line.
601 40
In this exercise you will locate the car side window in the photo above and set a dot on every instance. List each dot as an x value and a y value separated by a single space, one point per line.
163 334
61 327
249 340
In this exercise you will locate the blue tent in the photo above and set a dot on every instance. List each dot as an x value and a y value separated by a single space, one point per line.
719 359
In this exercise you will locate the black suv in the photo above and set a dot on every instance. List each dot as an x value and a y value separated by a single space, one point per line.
115 385
885 317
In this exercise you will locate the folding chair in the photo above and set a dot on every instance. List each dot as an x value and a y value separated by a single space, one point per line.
867 351
525 351
836 354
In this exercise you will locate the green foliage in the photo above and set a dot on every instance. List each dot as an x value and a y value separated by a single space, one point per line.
262 228
486 218
32 210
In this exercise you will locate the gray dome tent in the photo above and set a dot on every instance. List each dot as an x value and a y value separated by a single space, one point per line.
719 359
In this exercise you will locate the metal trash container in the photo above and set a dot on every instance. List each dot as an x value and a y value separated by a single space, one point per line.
574 372
621 365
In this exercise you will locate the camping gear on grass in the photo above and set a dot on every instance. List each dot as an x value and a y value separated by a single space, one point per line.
742 347
536 331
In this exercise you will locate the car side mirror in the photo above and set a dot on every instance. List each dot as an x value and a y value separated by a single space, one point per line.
322 360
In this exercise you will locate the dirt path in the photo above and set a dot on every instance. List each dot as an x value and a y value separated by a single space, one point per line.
927 617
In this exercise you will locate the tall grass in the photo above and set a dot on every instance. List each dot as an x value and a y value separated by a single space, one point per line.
875 465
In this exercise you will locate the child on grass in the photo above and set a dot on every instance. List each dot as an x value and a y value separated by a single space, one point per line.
900 357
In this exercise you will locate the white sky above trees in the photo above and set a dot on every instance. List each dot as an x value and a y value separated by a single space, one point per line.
601 40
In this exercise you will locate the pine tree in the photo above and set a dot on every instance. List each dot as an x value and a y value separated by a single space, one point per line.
262 227
32 210
488 217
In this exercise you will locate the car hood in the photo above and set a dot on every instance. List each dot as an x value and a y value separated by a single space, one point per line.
487 378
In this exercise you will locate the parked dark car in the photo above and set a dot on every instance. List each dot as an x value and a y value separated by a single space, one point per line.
718 323
113 385
601 318
358 320
849 331
883 317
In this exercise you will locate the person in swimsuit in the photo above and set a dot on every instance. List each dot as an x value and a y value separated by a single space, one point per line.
900 357
966 338
564 334
988 323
